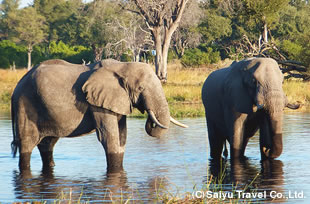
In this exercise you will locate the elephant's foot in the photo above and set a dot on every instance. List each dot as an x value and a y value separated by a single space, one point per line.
115 162
24 161
47 159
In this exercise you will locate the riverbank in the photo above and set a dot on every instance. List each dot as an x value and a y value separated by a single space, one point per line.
183 90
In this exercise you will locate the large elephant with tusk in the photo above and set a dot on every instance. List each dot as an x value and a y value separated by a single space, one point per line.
59 99
241 99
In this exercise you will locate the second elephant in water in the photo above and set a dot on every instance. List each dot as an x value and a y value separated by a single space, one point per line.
241 99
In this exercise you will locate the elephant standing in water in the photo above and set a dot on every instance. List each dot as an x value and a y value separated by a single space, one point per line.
241 99
59 99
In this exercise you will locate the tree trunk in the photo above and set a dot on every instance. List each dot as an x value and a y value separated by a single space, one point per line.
160 68
265 32
29 57
136 55
98 51
156 22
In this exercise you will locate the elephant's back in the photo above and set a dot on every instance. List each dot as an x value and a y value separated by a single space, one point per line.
59 98
212 97
213 84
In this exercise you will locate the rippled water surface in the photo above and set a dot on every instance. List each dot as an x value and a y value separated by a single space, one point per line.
176 163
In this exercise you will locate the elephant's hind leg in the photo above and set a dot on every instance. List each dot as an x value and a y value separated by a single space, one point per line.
28 139
27 144
46 147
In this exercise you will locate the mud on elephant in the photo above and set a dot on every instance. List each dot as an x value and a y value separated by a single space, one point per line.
59 99
241 99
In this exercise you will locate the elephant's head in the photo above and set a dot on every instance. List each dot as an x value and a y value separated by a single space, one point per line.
256 88
119 87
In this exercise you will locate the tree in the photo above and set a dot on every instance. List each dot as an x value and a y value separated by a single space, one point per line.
162 18
188 35
56 13
101 30
262 14
8 11
30 29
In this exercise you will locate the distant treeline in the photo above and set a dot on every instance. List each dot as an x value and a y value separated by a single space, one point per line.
210 30
16 55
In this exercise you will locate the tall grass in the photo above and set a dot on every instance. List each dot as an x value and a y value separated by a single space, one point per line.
183 89
298 91
8 81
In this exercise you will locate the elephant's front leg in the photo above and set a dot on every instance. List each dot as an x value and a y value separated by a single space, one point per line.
112 132
238 141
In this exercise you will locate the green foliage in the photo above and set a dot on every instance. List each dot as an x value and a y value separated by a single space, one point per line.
74 30
74 54
11 54
172 55
126 57
31 31
57 13
293 50
198 57
214 27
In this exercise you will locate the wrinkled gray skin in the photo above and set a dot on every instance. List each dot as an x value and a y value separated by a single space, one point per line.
58 99
241 99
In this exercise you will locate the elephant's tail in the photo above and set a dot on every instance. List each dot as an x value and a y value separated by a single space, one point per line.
15 143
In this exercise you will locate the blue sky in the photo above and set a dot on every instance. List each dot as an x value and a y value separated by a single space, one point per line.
24 3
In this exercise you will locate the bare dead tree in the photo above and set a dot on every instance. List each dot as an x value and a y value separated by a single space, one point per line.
136 37
247 48
187 35
162 18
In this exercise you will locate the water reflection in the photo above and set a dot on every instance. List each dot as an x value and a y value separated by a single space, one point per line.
110 187
115 187
268 178
176 162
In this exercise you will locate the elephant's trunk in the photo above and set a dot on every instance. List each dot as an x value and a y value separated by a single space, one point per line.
276 145
158 113
272 127
157 123
156 105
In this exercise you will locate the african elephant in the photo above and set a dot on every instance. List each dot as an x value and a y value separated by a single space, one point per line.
241 99
59 99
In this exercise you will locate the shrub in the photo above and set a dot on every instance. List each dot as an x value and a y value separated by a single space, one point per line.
198 57
12 54
292 49
74 54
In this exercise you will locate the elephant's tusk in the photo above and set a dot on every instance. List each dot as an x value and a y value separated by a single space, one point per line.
174 121
293 106
153 117
257 107
266 151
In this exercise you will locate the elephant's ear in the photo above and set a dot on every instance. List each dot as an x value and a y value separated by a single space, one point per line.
106 89
236 90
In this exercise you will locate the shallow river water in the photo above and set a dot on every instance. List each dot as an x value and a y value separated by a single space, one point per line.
176 164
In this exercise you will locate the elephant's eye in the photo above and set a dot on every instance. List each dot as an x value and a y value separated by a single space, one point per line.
141 88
